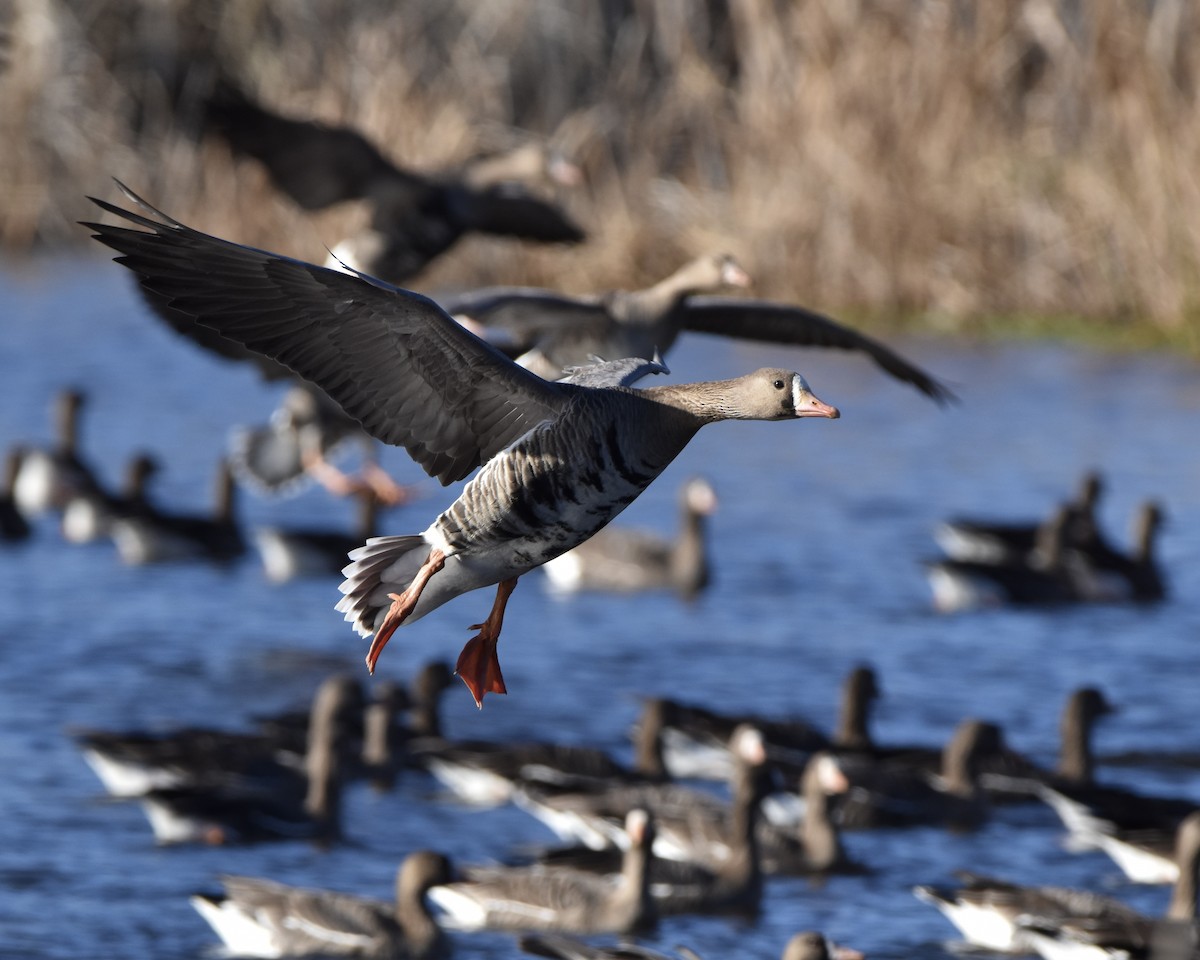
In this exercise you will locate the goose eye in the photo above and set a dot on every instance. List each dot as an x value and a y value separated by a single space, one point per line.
778 384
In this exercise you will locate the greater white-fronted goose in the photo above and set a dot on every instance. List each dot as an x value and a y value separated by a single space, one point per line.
89 515
262 918
289 553
550 331
896 793
622 560
695 739
486 773
559 460
13 524
218 815
1091 810
131 763
155 536
986 541
806 945
1117 931
1133 577
550 898
1051 574
414 218
50 476
987 910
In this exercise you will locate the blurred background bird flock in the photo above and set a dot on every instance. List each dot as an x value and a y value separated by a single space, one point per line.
973 227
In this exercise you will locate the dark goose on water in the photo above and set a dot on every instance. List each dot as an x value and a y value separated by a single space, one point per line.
559 460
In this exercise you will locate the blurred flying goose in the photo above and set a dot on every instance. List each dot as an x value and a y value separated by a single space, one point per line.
50 476
895 793
556 898
559 459
13 525
807 945
154 536
1109 928
261 918
623 560
131 763
288 553
552 330
414 218
986 541
89 514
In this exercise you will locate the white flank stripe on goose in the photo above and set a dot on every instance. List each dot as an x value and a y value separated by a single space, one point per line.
241 933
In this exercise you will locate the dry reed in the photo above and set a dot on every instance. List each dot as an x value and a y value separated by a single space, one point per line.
947 158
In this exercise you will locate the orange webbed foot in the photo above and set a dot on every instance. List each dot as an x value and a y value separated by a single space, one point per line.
479 667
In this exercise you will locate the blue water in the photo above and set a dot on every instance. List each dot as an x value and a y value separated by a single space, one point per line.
817 546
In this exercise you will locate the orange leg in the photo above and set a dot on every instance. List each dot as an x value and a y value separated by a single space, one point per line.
403 604
478 664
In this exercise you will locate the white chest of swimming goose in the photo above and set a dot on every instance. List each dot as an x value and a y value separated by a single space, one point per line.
558 460
49 476
261 918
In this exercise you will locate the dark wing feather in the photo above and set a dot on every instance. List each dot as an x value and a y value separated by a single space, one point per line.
392 359
783 323
529 313
208 338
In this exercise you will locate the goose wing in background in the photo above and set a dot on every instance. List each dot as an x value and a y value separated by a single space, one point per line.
530 313
783 323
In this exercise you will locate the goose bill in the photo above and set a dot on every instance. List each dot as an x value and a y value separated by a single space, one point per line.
806 404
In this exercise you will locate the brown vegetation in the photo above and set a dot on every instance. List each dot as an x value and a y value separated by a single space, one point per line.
952 158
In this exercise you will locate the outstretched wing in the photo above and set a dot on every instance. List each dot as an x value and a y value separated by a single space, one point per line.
783 323
391 358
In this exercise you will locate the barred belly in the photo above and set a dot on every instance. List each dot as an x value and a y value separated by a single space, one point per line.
537 499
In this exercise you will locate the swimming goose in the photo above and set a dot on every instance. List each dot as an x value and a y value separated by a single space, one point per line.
1133 577
987 911
807 945
559 460
1115 930
154 536
622 560
49 477
131 763
556 330
486 773
1052 574
986 541
308 808
288 553
549 898
13 525
895 793
261 918
89 514
414 218
695 739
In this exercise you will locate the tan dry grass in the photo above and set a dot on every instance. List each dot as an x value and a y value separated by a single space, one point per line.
945 157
